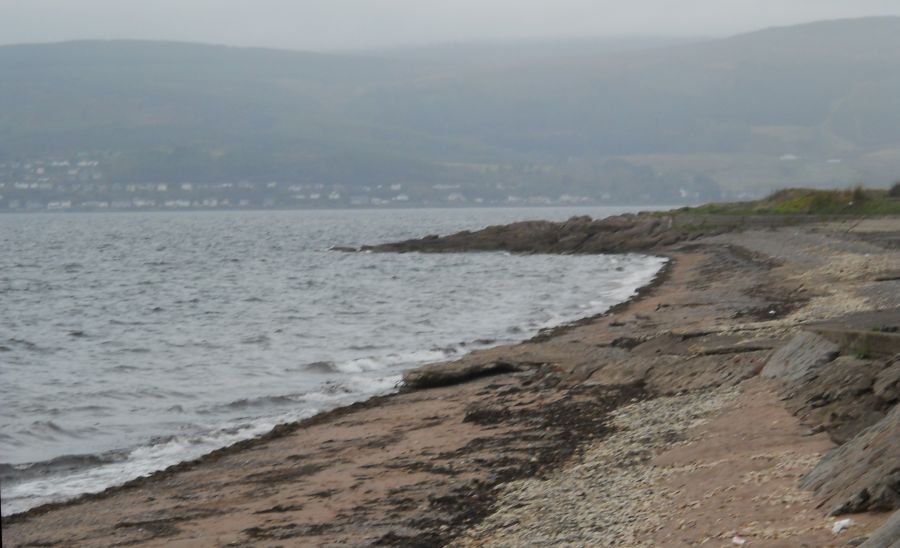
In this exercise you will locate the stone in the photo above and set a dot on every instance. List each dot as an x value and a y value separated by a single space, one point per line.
863 474
804 353
887 536
844 396
446 374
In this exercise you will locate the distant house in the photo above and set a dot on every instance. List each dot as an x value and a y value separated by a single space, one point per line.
95 204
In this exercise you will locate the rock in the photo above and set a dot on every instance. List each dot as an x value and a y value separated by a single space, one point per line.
887 536
845 396
841 524
804 353
869 342
702 371
887 384
864 473
445 374
617 234
577 235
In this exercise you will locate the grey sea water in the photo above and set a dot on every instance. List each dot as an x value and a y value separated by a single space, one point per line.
130 342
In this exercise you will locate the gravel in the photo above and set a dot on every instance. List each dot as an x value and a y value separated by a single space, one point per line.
608 496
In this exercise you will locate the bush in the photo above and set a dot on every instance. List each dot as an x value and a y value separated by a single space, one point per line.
894 192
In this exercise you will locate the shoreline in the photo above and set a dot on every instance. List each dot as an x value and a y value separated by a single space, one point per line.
565 385
284 429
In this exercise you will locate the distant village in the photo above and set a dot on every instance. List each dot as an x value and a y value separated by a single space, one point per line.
81 183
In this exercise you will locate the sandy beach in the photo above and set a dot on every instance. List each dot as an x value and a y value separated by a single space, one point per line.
698 413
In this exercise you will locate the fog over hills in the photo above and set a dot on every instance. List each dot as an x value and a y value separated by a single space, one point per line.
816 104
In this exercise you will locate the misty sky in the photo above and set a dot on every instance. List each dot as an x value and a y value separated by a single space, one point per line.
348 24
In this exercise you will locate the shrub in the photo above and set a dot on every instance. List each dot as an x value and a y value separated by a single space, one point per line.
894 192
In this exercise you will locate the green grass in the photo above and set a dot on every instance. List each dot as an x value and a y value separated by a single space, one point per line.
801 201
864 352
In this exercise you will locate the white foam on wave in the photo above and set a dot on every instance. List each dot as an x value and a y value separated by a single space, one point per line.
618 291
146 459
389 361
359 378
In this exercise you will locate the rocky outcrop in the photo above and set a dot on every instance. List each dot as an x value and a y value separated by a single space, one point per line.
446 374
577 235
851 392
617 234
887 535
803 354
669 364
864 473
846 395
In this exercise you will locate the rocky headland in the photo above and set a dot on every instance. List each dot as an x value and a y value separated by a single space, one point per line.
747 397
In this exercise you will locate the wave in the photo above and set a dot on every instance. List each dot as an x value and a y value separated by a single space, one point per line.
66 464
48 430
365 360
256 339
321 367
22 344
393 360
264 401
62 478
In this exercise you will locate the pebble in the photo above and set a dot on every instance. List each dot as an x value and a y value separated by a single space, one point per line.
609 497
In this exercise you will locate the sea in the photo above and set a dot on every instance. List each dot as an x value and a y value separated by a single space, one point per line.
132 341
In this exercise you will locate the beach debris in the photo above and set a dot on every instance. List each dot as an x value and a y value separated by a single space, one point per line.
840 525
738 540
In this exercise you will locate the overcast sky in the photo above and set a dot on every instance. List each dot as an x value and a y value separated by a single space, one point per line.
348 24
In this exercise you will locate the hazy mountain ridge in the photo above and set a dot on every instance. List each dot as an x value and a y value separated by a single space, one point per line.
766 107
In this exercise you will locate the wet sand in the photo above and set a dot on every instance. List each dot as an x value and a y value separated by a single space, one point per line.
649 425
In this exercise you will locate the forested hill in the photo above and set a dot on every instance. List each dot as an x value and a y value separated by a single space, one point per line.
812 104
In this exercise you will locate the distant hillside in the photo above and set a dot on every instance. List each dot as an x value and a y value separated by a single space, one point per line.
813 104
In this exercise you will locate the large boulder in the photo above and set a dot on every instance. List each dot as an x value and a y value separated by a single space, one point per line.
446 374
846 395
804 353
864 473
